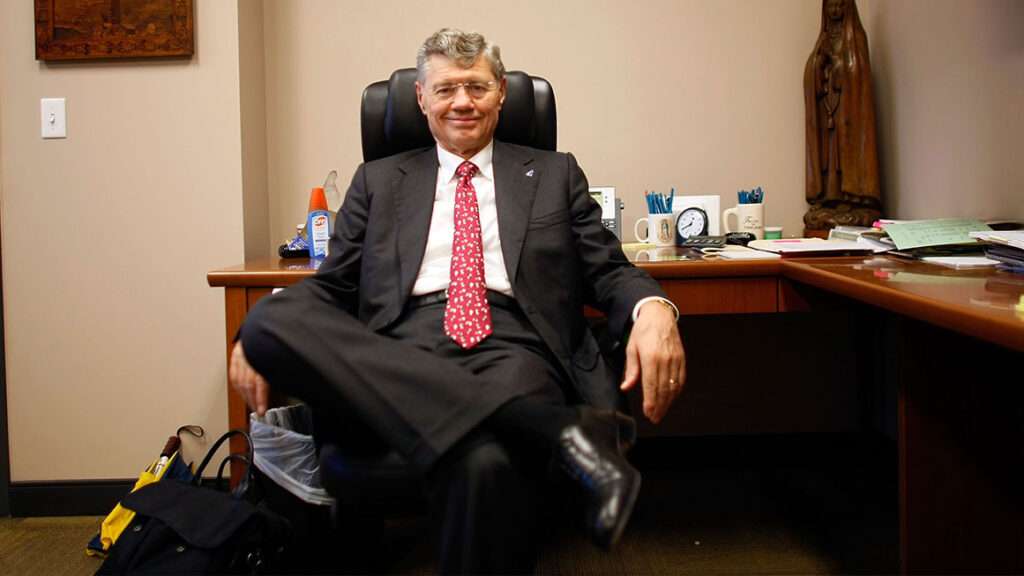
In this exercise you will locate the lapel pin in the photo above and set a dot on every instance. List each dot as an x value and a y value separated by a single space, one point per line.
529 174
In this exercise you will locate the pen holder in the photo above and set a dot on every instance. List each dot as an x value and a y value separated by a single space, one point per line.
660 230
749 218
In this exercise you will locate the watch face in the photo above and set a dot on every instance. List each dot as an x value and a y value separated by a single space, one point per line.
692 221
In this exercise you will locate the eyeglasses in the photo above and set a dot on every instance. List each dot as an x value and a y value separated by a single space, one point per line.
475 90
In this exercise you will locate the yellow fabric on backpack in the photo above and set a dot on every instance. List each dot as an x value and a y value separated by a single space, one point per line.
120 517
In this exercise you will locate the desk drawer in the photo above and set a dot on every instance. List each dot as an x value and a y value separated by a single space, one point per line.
754 294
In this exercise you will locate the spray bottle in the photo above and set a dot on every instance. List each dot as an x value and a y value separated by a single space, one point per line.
318 224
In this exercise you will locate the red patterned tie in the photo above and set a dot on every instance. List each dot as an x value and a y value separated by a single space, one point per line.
467 317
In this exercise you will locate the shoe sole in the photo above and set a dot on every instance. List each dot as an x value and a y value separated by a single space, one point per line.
634 491
626 430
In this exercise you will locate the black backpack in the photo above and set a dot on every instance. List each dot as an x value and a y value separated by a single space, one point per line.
185 528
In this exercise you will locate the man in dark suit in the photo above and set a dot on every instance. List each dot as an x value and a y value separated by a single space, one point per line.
448 321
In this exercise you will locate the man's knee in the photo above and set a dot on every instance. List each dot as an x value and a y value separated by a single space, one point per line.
485 465
478 470
260 335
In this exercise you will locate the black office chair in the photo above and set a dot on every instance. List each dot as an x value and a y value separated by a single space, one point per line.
354 468
392 121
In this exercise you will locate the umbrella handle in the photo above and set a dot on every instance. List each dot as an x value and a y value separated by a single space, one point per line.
172 445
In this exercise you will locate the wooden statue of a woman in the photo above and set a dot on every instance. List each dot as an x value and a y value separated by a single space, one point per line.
842 157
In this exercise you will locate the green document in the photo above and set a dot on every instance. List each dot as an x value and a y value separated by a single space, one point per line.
940 232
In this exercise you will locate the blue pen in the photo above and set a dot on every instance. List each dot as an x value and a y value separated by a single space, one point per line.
671 199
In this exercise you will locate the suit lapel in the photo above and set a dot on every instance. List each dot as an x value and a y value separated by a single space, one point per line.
515 185
414 203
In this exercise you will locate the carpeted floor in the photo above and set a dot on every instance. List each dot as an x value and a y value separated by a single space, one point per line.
53 546
708 506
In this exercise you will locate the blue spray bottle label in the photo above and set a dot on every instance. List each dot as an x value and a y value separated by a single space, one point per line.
319 233
318 224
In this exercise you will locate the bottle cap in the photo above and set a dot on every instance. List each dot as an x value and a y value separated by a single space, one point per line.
317 200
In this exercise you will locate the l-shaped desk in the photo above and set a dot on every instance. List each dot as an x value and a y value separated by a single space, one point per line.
954 353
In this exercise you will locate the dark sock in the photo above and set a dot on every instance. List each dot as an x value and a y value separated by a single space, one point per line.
533 417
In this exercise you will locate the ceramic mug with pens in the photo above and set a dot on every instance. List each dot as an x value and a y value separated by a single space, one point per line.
749 218
660 229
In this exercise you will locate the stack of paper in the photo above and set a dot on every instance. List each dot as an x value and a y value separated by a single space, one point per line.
935 238
731 252
873 238
960 262
1004 246
1014 238
810 247
848 232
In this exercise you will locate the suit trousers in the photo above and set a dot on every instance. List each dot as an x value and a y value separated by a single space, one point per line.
414 390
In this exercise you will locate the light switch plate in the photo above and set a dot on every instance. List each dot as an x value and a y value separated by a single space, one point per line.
54 118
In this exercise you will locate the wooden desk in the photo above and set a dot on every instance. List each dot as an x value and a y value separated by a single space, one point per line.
950 342
952 345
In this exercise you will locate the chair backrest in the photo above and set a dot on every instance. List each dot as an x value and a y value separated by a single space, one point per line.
392 121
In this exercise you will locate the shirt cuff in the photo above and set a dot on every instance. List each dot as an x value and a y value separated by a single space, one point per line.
636 309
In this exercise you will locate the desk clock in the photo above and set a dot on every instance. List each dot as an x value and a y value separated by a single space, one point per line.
692 221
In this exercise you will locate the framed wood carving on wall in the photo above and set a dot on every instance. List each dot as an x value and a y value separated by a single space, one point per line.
107 29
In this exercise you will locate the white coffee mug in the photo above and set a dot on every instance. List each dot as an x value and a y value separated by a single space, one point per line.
661 230
749 217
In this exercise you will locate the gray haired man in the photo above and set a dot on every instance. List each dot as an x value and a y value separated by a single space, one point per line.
448 321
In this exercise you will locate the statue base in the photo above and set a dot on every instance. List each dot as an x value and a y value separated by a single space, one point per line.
815 233
826 218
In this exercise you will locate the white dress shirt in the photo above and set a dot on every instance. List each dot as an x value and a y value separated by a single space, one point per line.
435 270
437 259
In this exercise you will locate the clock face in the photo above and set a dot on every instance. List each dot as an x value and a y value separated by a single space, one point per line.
692 221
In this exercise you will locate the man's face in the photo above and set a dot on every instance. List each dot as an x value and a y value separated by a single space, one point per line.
461 121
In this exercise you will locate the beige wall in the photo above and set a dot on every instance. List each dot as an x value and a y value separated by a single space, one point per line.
950 84
698 94
113 338
252 100
702 95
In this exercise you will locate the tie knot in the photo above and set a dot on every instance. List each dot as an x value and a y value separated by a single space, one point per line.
466 170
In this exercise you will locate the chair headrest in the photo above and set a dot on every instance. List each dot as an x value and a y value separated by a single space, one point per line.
392 122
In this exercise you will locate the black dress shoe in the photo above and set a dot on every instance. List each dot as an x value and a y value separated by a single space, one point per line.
590 452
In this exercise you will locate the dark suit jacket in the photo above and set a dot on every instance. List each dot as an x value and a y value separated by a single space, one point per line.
557 253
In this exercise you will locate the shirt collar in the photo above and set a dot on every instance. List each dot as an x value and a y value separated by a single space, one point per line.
449 162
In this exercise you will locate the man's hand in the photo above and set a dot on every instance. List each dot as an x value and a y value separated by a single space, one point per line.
247 381
655 357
